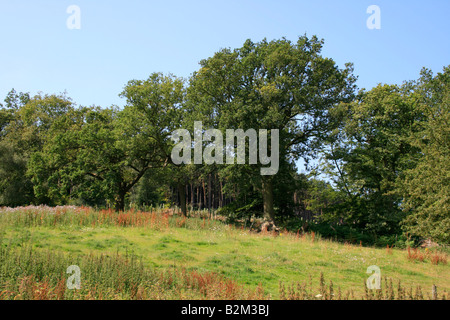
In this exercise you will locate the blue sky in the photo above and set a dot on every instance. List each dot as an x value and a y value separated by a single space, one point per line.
123 40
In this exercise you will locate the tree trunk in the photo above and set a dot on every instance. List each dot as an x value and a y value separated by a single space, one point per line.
198 197
192 196
209 193
221 195
187 196
267 193
214 192
204 193
120 201
172 196
182 194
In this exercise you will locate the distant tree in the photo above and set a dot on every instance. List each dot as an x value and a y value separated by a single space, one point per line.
150 190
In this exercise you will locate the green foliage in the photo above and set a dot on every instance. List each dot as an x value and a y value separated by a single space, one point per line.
149 191
100 154
15 101
350 234
426 187
24 133
239 212
6 116
369 153
15 188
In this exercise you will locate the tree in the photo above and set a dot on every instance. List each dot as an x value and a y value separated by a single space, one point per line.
23 131
369 152
426 187
159 100
101 154
96 154
272 85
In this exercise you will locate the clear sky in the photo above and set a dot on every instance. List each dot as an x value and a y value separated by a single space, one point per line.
123 40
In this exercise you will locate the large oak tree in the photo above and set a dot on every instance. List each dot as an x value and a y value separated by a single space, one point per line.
272 85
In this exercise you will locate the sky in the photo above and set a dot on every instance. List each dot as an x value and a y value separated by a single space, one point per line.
118 41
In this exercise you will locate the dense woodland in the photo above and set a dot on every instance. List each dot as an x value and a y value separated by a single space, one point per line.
378 160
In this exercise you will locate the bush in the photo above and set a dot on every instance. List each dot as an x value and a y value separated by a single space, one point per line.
235 212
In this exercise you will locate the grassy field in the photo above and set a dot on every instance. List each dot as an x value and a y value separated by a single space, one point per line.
254 265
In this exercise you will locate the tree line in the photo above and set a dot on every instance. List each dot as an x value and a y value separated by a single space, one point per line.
384 152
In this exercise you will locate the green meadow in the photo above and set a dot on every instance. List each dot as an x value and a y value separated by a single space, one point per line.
162 241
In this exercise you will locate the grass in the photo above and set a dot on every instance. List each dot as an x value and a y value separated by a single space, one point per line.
263 265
